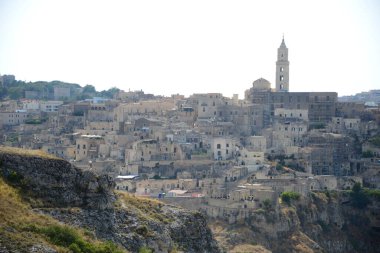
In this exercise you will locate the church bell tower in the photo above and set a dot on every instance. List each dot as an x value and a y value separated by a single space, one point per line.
282 68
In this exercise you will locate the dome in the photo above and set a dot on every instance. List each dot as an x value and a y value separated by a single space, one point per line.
261 84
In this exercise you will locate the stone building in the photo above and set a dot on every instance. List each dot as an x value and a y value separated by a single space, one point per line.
88 146
223 148
62 93
321 106
331 153
13 118
6 80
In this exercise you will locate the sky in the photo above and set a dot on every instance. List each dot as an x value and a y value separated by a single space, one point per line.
175 46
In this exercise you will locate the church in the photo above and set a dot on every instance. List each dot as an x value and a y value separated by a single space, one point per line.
321 106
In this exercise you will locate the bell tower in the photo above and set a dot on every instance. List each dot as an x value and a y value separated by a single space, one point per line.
282 68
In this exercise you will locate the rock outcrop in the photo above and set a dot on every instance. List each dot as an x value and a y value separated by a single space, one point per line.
84 199
320 222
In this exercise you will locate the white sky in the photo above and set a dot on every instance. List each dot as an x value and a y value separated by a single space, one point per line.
168 47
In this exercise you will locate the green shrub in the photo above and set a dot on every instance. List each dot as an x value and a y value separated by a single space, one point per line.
359 198
288 196
145 249
373 193
279 167
368 154
375 141
267 203
68 237
14 177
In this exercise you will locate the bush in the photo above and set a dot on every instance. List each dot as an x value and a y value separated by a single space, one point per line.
14 177
368 154
145 249
267 203
68 237
288 196
375 141
359 197
373 193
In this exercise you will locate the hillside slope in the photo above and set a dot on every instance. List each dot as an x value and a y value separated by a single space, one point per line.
54 190
321 222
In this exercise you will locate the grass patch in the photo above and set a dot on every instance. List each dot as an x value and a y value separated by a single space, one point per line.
145 249
68 237
146 209
21 228
27 152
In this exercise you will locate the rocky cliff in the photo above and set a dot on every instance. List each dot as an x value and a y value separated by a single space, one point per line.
320 222
55 188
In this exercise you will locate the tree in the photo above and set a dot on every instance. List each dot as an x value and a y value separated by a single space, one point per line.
110 93
89 89
358 197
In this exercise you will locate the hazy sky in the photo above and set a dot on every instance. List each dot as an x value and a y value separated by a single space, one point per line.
166 47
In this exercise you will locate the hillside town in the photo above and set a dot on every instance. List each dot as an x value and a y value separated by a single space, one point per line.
226 156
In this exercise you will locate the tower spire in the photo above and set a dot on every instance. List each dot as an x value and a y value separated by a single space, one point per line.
283 41
282 67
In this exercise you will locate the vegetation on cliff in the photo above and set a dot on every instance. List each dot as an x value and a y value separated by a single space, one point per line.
59 208
23 230
287 197
27 152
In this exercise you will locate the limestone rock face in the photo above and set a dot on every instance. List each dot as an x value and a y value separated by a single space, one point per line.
57 183
316 223
84 199
186 231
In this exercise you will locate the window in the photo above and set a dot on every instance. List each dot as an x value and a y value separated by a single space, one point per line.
281 69
227 145
281 78
218 146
